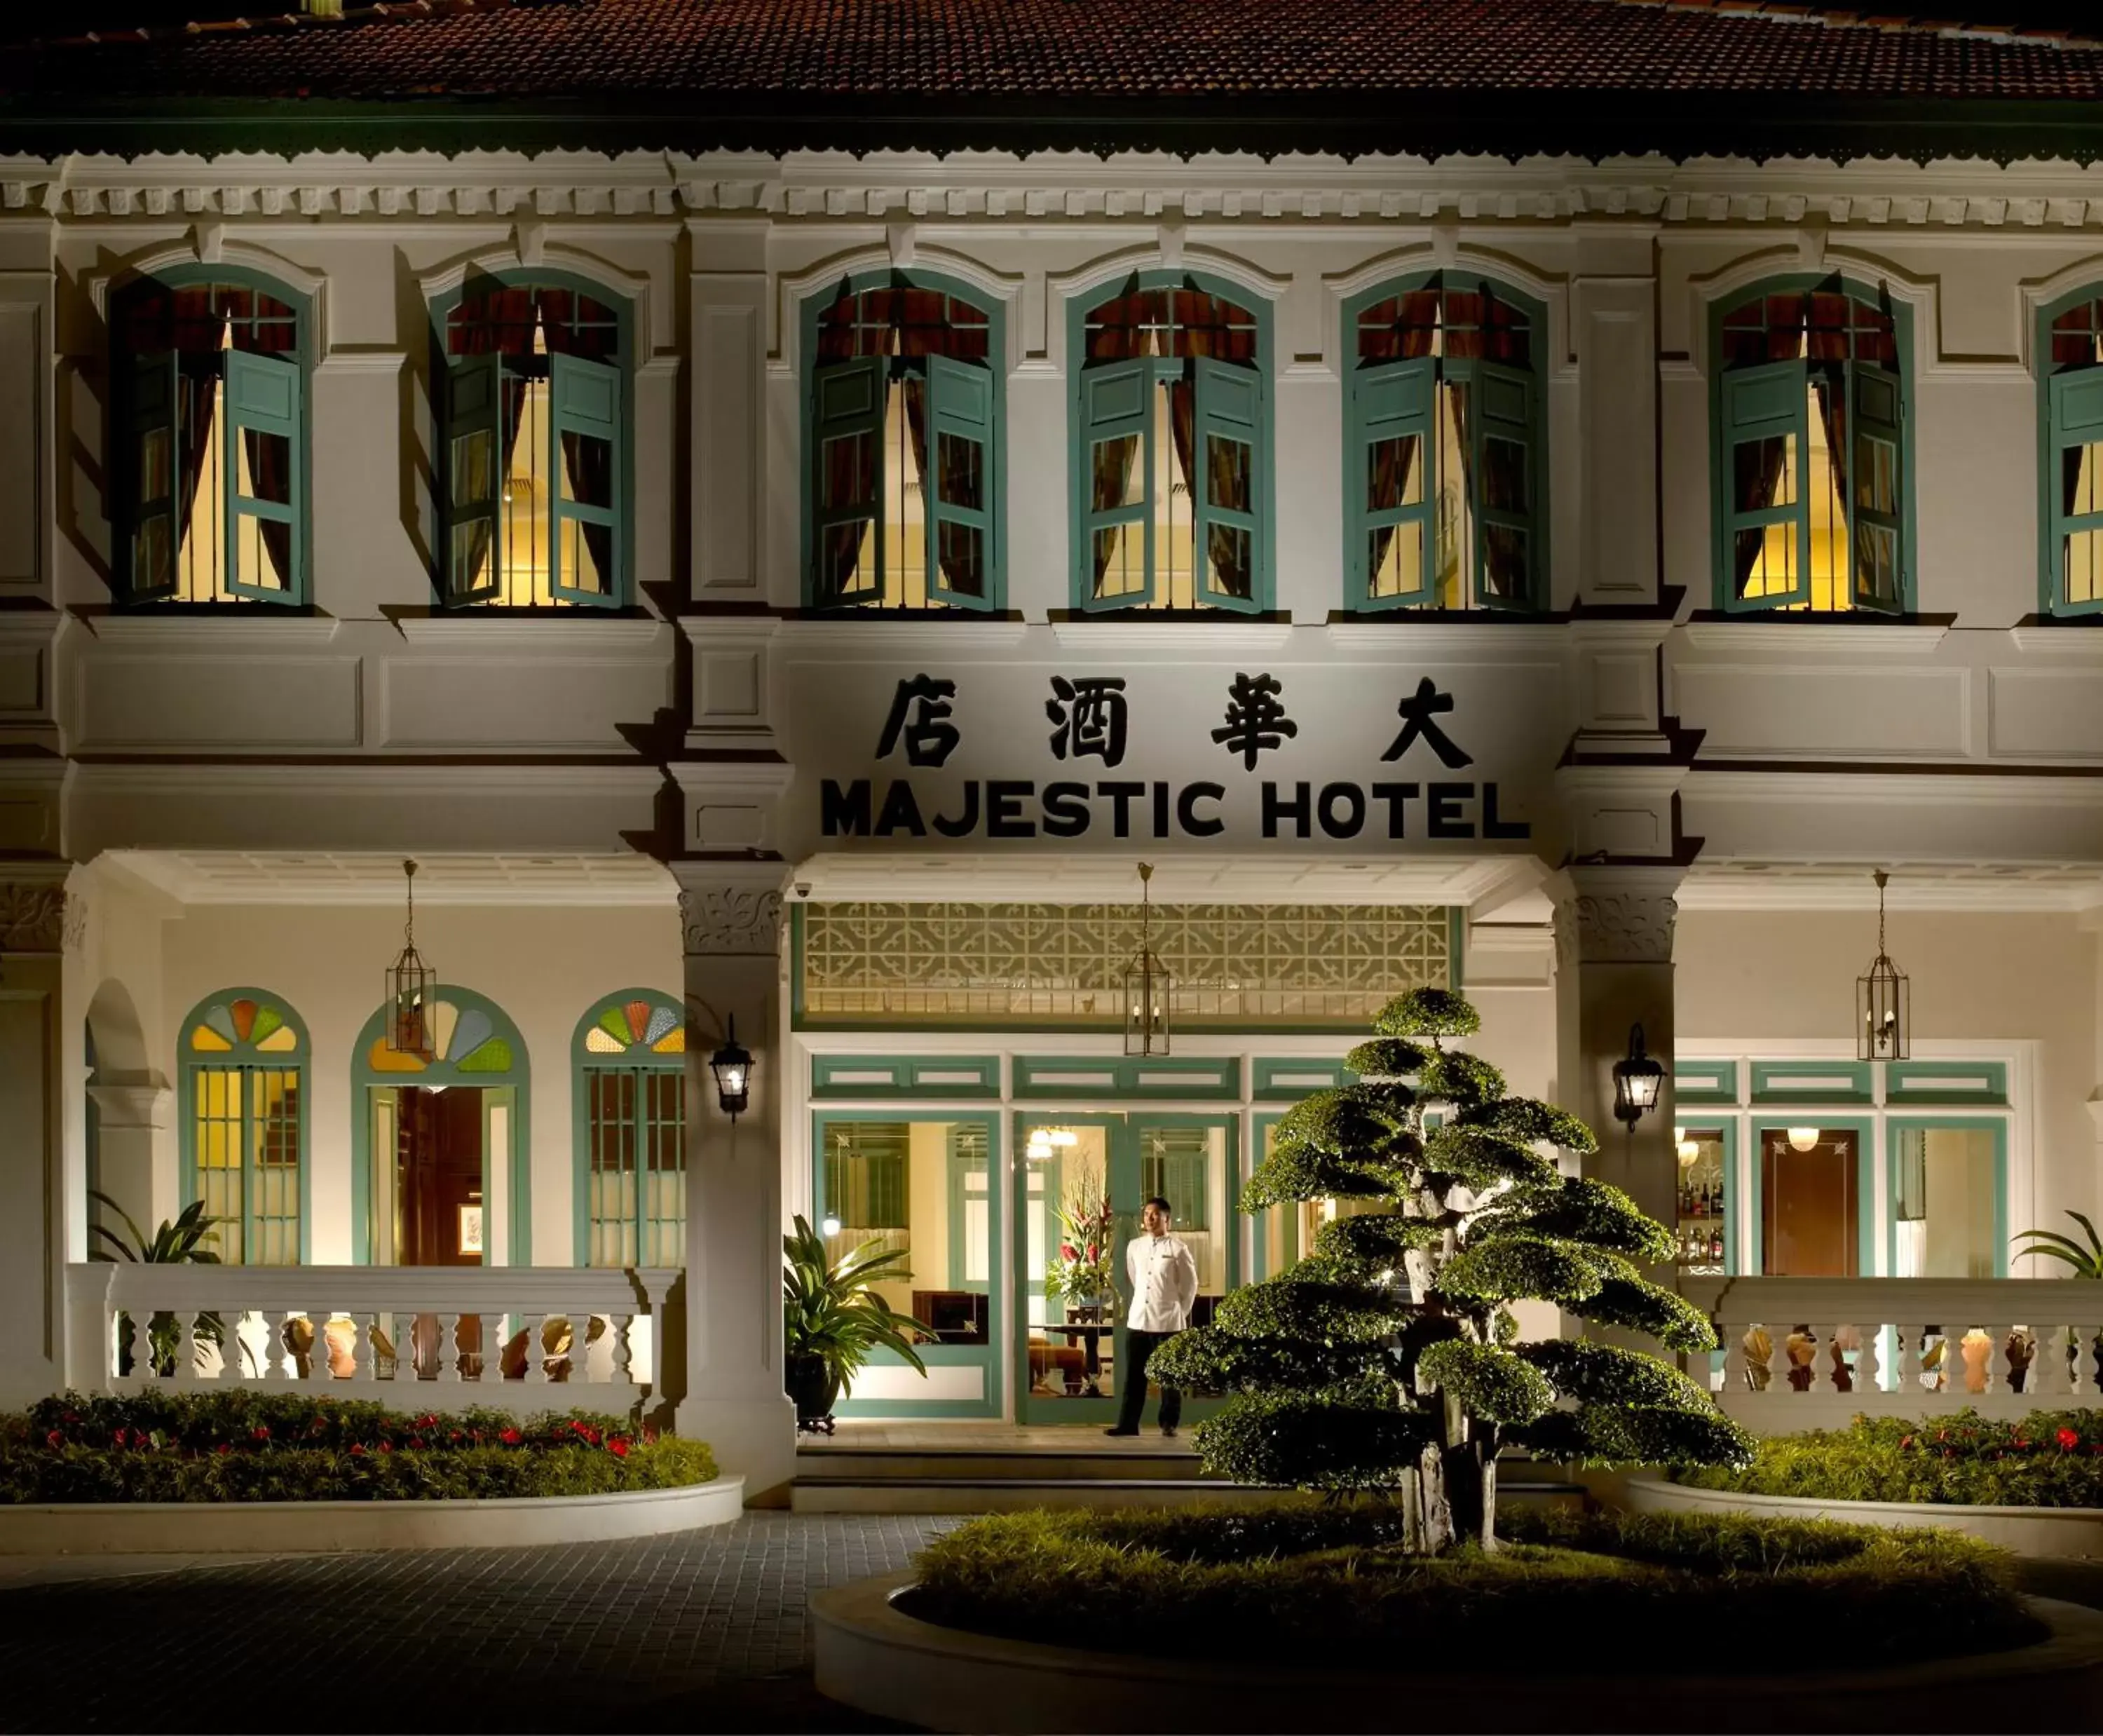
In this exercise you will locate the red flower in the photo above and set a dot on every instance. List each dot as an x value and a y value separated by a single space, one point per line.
386 1446
1092 1255
416 1440
2068 1441
1066 1251
1906 1444
617 1447
428 1420
589 1434
454 1436
223 1448
510 1437
357 1450
54 1439
260 1432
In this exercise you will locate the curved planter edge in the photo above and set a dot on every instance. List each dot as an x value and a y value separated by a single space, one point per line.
2072 1532
871 1656
299 1527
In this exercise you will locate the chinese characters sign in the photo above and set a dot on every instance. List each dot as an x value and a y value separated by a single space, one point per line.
1100 718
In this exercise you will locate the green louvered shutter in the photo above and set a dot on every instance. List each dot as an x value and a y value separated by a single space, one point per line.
474 457
959 483
1229 460
1876 483
2076 485
846 483
1763 446
264 500
1390 488
149 529
1505 459
1115 487
587 464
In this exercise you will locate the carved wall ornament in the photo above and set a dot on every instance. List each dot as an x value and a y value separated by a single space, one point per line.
32 916
737 921
1626 927
76 924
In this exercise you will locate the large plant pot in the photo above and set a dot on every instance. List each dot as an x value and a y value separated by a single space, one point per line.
816 1389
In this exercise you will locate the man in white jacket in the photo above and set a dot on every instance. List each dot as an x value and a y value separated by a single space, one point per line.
1164 1278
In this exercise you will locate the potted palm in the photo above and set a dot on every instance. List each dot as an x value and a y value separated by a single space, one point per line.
186 1239
832 1321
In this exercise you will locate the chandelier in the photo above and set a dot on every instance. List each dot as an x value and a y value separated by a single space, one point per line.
411 985
1883 1000
1146 985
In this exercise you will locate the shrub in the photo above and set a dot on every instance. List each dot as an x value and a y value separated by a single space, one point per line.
2049 1458
1315 1580
246 1445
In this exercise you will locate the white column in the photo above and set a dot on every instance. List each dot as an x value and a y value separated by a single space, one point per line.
730 914
33 1189
1614 928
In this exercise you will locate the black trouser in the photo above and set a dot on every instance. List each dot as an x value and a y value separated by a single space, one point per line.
1139 1346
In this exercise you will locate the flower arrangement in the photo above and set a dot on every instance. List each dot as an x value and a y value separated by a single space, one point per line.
1081 1275
245 1446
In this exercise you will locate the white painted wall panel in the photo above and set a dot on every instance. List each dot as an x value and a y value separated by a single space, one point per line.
264 705
2046 713
1834 712
497 702
25 388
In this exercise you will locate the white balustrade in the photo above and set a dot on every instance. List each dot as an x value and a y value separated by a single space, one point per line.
369 1310
1909 1346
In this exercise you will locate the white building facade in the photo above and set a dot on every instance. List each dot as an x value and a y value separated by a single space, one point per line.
800 588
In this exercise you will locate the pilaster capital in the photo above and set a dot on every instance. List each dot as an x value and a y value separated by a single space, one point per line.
1615 915
135 1103
34 917
731 908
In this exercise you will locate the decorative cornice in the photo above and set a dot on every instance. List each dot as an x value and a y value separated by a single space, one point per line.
1616 916
737 916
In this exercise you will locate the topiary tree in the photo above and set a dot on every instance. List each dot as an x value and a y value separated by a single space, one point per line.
1341 1381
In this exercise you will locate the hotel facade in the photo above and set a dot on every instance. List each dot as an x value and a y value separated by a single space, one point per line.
788 560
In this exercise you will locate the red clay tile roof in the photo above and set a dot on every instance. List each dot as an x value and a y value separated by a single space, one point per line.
1502 76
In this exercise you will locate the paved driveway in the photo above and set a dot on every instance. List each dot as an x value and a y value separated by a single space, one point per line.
703 1630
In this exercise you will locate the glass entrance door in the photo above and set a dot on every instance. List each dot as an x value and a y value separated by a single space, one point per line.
1080 1180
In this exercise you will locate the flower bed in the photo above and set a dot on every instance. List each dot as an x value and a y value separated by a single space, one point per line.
2048 1459
1278 1582
246 1446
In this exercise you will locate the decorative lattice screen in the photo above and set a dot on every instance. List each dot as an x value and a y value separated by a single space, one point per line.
1233 964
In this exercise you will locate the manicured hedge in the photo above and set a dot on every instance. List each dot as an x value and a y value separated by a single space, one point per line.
1327 1586
2049 1458
243 1445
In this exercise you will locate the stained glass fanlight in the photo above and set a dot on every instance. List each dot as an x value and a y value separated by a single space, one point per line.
462 1039
639 1027
227 1026
412 988
1883 999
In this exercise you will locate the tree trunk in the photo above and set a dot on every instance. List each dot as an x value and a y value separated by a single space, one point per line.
1471 1490
1436 1534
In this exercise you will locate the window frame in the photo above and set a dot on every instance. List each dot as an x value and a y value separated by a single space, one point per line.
1357 435
245 1060
1263 494
126 511
2051 580
637 1060
1720 510
620 595
809 313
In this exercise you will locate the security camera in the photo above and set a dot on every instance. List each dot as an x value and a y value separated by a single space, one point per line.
802 888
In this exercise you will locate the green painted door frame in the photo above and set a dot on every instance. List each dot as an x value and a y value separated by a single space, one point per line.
1125 1132
1997 1126
984 1357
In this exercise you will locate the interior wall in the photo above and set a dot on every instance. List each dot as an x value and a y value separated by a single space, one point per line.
1767 978
544 967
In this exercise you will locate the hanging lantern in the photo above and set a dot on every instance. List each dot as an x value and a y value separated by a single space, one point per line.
1638 1080
412 988
732 1066
1883 1000
1146 985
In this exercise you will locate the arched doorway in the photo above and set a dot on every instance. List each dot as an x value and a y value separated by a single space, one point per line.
440 1151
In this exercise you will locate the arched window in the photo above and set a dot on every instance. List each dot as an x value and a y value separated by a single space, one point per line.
1172 448
1443 456
903 427
1812 454
630 1056
2069 349
536 439
244 1078
209 461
